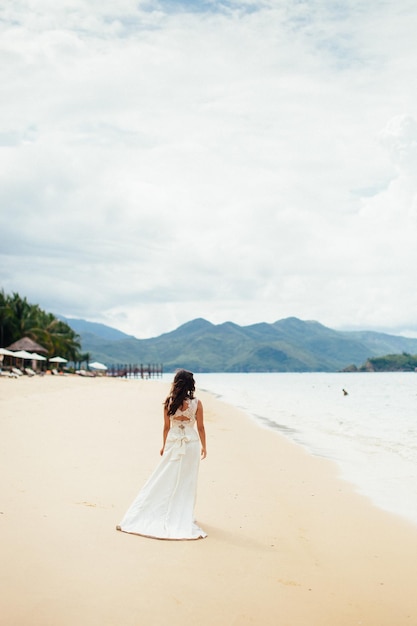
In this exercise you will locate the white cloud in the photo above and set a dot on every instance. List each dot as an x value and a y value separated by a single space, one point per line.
245 161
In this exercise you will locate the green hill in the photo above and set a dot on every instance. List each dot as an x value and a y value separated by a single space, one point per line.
288 345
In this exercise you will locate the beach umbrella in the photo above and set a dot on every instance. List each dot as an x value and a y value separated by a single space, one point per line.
23 354
6 352
37 357
58 359
97 366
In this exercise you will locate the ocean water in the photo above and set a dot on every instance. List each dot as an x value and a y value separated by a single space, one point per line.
370 433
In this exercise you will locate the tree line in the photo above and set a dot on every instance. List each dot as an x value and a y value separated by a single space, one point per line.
19 318
392 363
404 362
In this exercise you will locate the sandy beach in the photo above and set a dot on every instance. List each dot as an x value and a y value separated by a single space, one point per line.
289 543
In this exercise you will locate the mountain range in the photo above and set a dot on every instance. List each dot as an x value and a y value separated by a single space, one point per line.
288 345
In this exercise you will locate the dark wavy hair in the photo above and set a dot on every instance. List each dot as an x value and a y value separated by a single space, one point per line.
182 387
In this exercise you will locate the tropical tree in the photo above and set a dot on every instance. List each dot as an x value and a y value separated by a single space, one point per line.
84 357
5 320
57 337
19 318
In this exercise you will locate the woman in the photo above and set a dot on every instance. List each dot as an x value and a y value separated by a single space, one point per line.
164 508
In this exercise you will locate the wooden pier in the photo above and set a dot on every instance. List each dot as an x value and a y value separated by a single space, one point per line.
151 370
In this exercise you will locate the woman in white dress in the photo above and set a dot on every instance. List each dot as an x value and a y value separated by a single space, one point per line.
164 508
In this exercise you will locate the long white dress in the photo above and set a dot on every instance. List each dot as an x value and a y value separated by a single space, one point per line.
164 508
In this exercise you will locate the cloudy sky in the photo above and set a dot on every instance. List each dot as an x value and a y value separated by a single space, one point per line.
234 160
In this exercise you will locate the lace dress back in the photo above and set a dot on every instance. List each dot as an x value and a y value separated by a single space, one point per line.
185 416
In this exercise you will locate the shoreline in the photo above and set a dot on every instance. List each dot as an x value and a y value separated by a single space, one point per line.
338 467
289 541
379 463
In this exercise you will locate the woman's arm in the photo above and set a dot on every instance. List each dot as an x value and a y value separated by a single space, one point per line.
167 425
199 416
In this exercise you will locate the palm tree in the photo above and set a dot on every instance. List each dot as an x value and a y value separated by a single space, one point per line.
57 337
80 358
5 320
86 356
20 319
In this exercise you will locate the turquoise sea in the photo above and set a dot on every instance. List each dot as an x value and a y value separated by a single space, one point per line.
370 433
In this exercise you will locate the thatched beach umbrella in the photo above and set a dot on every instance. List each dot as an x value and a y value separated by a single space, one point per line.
26 343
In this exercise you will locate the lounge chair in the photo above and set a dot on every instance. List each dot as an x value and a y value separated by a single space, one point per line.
8 374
